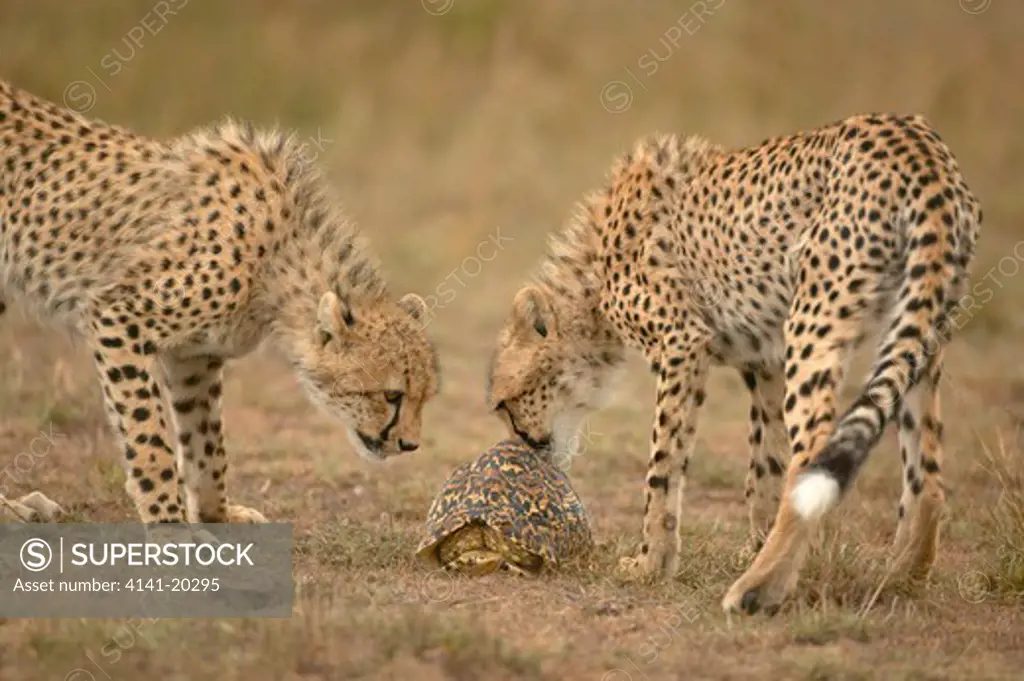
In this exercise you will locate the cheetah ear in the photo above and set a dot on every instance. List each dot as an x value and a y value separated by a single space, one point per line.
534 312
415 306
332 316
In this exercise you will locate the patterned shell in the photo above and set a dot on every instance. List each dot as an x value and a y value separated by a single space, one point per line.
519 492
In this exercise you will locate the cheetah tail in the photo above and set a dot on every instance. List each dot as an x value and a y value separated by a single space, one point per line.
912 339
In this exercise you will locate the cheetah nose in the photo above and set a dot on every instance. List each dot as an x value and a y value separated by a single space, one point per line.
499 406
408 446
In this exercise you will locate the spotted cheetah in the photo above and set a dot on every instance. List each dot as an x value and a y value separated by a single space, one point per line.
777 260
171 258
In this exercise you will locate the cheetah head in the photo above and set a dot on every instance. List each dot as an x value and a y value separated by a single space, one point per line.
551 366
372 367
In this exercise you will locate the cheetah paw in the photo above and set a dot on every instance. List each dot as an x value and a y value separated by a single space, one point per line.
640 568
46 508
760 591
34 507
244 514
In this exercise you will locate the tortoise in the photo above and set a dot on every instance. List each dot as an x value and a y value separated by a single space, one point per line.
512 509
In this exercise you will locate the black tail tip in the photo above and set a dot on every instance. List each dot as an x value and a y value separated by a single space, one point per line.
841 459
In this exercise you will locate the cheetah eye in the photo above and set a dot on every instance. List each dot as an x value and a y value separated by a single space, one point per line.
393 396
541 329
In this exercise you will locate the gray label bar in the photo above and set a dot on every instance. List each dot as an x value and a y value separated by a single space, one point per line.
134 570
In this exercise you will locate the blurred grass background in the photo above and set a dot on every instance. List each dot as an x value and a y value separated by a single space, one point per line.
444 126
490 113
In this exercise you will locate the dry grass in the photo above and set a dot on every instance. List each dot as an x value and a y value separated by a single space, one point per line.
1005 522
445 131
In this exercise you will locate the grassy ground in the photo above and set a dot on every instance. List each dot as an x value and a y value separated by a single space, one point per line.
451 123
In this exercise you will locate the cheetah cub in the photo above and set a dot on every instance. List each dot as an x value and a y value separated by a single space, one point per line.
776 260
171 258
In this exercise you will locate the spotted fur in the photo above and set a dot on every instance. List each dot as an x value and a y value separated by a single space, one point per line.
777 260
171 258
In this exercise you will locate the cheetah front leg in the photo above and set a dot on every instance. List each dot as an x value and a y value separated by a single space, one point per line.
681 380
769 450
195 389
131 396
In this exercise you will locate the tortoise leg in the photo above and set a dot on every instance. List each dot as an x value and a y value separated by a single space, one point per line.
515 558
477 562
530 567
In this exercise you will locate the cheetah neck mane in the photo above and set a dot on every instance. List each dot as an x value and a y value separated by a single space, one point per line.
339 253
323 250
570 269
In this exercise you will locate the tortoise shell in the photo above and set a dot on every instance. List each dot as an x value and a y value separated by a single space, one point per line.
518 492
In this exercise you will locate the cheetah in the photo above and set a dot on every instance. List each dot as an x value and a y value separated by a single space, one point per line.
777 261
171 258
